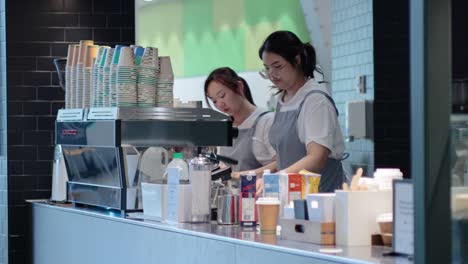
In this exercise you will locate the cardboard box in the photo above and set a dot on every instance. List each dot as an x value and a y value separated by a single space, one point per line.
308 231
356 214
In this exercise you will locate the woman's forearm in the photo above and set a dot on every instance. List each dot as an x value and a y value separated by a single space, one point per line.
309 162
259 171
314 161
271 166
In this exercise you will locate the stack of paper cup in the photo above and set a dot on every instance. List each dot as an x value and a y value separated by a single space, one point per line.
165 85
100 80
138 51
79 86
126 89
73 69
69 71
90 56
92 84
106 77
96 82
113 75
148 70
385 177
150 57
79 72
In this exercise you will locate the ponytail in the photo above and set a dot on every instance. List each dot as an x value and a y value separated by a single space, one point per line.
247 93
308 60
229 78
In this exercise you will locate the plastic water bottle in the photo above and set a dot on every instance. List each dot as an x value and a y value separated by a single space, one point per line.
178 162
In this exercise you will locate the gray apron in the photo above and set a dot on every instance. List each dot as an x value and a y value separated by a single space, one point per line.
285 140
242 149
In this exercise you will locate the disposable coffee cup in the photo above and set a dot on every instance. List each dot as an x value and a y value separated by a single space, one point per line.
150 57
71 54
126 57
268 209
82 51
90 54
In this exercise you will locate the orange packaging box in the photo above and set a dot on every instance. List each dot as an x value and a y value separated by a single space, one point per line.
294 186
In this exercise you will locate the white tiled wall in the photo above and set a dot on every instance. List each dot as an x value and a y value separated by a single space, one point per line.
352 55
3 158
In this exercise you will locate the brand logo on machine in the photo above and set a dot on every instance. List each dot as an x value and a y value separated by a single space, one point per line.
71 132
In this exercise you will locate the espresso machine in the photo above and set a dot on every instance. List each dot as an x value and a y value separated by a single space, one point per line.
101 147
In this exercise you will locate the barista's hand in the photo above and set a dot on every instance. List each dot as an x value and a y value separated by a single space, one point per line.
235 175
222 165
259 186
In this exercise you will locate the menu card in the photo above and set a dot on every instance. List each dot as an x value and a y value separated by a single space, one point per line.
403 217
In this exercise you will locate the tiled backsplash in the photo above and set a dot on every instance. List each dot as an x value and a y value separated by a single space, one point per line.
3 143
392 87
371 38
353 55
459 39
37 32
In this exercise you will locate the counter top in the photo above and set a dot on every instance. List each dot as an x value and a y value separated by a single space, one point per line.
241 236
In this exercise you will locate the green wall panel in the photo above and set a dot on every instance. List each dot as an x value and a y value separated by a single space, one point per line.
210 50
162 26
198 16
201 35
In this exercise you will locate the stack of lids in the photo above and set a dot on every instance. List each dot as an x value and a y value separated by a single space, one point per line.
385 177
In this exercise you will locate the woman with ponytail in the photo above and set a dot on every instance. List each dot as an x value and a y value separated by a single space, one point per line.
305 132
231 95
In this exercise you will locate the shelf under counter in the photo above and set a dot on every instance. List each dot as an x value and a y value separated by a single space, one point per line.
67 234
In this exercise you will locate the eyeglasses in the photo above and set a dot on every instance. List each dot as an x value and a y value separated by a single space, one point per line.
273 71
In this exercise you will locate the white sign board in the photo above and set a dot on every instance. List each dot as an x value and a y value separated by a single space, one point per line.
403 217
103 113
70 115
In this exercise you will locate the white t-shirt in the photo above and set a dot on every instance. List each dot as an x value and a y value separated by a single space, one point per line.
317 120
262 149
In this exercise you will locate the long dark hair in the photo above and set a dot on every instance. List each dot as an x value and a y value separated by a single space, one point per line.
287 45
229 78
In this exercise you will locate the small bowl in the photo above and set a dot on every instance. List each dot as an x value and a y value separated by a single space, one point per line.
387 239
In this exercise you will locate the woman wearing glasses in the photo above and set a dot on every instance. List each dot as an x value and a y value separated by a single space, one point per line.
305 132
231 94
